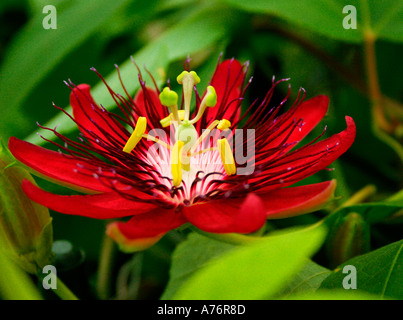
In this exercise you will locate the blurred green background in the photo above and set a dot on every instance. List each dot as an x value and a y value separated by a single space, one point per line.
303 40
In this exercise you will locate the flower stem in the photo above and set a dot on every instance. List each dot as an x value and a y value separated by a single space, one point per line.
359 196
103 284
372 72
63 291
373 83
230 238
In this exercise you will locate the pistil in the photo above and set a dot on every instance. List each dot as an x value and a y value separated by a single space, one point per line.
188 80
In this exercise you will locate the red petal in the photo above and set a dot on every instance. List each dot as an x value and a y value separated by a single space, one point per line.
57 167
288 202
308 160
98 206
311 112
89 116
227 82
225 216
147 104
144 230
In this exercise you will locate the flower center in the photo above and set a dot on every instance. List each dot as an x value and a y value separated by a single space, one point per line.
186 136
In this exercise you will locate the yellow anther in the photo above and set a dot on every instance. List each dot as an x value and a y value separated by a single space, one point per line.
168 97
211 97
137 134
188 75
167 120
224 124
227 157
176 165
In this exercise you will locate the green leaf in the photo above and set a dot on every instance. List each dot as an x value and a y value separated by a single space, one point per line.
190 256
15 283
255 271
199 31
383 17
307 280
397 217
396 197
326 17
25 66
379 272
26 230
372 212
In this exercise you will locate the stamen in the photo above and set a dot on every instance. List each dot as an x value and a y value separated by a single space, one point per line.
137 134
169 99
176 166
204 151
209 100
156 140
188 80
224 124
227 157
204 135
166 122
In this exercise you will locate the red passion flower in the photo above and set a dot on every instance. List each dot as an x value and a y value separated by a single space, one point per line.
163 166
